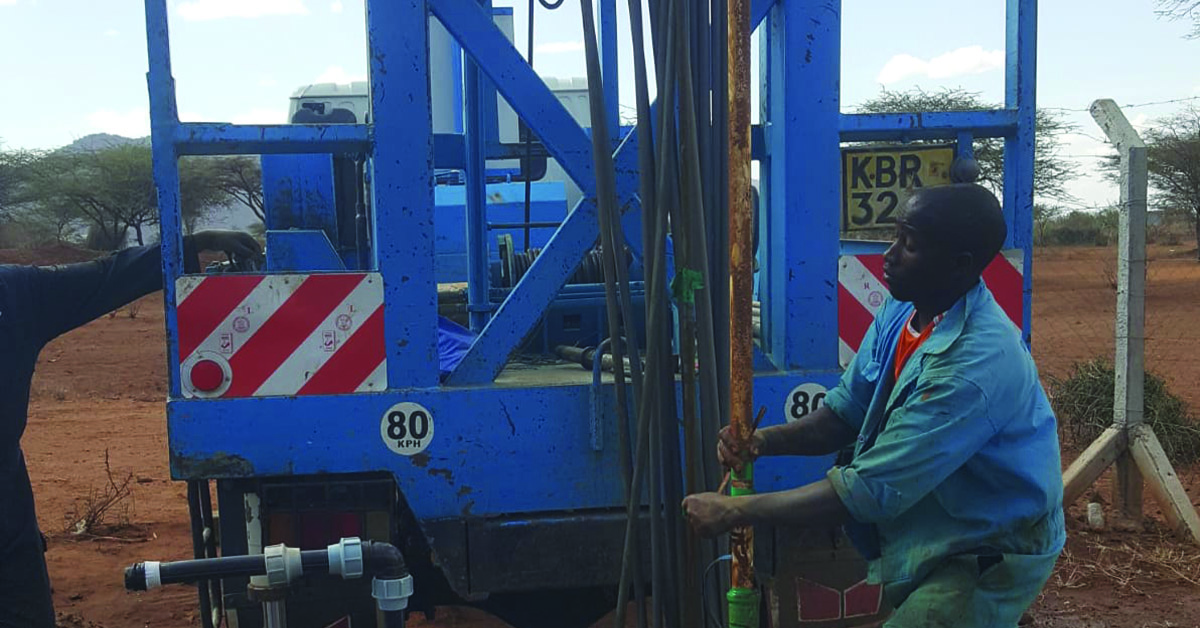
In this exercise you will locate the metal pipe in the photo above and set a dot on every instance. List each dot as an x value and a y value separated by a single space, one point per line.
528 165
362 235
195 509
477 249
524 225
274 614
743 595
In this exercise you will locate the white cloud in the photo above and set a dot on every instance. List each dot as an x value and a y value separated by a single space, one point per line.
267 81
216 9
967 60
260 116
7 2
338 74
336 7
559 47
112 32
132 123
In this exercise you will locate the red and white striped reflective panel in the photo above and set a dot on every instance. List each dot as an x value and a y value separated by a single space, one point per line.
280 334
861 290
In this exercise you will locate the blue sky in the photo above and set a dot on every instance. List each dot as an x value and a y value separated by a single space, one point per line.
74 67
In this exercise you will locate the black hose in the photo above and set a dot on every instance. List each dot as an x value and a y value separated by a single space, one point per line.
182 571
382 560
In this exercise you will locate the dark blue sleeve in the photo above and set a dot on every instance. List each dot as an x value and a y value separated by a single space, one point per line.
65 297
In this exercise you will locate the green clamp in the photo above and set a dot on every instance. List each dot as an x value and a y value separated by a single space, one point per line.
685 284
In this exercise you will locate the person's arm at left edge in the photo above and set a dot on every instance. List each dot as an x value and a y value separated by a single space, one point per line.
71 295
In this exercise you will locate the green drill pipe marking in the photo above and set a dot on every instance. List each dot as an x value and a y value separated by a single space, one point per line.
743 608
685 284
742 482
743 603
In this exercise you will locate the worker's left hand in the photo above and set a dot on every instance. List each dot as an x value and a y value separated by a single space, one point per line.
709 513
232 243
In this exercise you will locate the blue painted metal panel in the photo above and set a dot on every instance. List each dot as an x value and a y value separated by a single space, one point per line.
298 192
495 450
209 138
301 250
163 120
402 187
799 309
609 70
871 127
1020 85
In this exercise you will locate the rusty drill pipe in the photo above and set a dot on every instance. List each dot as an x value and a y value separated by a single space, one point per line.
743 595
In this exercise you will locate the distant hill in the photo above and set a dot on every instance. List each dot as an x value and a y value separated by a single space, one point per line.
100 141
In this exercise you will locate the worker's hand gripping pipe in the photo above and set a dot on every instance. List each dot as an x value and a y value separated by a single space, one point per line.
278 566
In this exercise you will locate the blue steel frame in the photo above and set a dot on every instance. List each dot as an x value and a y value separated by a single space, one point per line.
492 430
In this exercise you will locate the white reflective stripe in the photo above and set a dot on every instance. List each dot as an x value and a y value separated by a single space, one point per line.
845 353
861 284
1016 258
153 576
376 381
311 354
263 301
185 286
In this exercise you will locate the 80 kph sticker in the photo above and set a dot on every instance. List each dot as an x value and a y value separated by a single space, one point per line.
407 428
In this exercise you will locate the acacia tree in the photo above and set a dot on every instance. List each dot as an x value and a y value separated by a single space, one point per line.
240 178
1051 172
1173 156
113 190
1182 10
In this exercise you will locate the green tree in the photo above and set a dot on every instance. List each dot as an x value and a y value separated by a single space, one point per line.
1051 172
1043 216
113 190
1173 155
1173 161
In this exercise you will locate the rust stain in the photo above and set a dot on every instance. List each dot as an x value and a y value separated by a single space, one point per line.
445 474
420 460
465 490
466 509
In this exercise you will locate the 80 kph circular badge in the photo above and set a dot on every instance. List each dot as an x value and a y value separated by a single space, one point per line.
803 399
407 428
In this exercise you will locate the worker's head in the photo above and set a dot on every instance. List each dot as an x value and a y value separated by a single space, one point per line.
945 237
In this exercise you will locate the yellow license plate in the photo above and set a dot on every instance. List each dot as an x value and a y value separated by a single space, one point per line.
878 180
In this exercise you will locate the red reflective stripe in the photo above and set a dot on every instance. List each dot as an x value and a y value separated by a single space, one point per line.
817 602
283 332
853 318
1008 286
874 264
209 304
863 599
353 363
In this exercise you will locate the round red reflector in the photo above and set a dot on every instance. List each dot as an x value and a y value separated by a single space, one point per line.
207 376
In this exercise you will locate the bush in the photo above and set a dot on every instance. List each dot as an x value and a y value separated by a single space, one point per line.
1083 402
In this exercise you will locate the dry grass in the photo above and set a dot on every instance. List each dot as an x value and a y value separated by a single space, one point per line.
1133 563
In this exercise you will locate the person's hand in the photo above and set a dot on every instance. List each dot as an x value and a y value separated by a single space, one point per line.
709 513
735 453
232 243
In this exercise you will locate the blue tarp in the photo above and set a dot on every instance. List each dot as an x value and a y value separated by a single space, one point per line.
453 342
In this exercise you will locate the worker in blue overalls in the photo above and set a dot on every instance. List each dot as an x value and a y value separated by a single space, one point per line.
954 489
36 306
